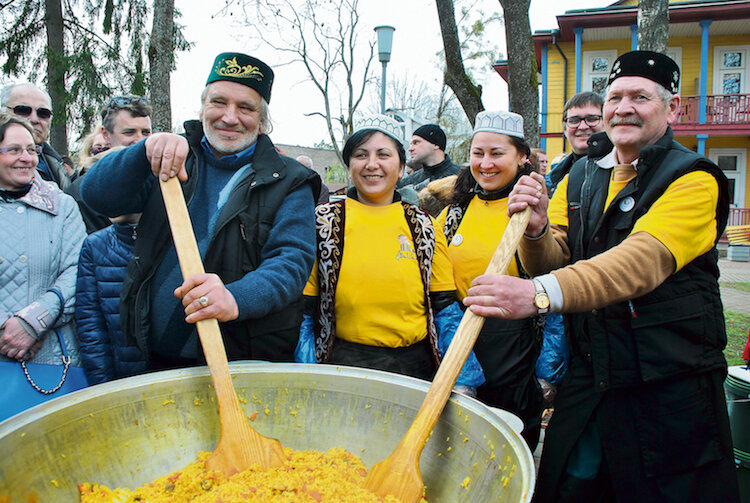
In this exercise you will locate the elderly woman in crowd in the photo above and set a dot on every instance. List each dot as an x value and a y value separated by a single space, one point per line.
381 294
473 224
42 234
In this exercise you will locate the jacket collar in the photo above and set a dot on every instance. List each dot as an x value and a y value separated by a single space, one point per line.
42 196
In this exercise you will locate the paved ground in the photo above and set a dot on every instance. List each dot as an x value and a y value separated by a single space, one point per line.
735 272
734 300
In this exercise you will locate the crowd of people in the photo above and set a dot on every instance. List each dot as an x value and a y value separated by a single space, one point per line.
628 351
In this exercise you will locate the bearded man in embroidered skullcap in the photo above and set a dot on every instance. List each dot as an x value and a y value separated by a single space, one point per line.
252 211
641 414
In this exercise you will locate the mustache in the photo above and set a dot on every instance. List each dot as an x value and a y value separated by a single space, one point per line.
224 125
629 121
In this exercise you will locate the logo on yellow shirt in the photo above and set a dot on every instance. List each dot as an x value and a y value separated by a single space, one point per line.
406 250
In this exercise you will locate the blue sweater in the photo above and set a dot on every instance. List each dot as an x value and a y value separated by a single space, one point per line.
101 269
286 258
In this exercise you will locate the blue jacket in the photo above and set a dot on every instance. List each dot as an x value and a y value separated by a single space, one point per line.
101 268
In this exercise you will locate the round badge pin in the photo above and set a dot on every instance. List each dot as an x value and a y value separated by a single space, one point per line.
457 240
627 204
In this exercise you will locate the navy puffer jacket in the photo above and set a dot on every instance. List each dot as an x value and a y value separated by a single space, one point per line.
101 268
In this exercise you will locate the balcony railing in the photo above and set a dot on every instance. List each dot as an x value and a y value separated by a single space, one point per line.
721 109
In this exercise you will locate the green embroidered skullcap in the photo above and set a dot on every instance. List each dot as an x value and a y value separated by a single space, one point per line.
381 123
243 69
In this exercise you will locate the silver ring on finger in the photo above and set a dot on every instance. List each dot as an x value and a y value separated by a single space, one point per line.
203 301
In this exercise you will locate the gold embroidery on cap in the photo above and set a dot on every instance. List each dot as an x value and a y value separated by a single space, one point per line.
233 69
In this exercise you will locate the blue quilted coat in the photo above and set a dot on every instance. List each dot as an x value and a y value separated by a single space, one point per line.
101 268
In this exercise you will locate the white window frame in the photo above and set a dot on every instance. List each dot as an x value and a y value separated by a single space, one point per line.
588 57
738 176
718 70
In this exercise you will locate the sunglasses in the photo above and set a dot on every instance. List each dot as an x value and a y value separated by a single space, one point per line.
99 149
25 111
123 101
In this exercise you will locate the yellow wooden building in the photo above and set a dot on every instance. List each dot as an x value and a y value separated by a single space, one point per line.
709 40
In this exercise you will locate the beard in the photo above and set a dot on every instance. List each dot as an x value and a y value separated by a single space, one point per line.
222 146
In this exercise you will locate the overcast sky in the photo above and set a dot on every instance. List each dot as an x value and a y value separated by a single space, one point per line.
415 43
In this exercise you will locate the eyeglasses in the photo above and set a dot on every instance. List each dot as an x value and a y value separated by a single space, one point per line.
25 111
17 150
590 120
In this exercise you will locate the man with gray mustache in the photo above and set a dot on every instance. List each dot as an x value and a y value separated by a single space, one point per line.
627 251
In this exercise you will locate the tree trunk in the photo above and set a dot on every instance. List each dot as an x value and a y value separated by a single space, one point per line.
653 25
468 94
160 64
523 87
56 75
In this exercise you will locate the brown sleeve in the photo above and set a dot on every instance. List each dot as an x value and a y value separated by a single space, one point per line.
633 268
546 253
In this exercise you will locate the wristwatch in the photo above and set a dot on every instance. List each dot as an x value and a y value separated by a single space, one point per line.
541 299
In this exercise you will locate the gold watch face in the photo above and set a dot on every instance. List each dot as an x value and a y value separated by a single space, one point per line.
541 301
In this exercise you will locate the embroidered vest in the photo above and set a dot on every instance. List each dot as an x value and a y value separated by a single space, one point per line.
329 224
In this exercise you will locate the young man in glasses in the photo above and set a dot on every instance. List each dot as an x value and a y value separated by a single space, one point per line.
32 103
582 117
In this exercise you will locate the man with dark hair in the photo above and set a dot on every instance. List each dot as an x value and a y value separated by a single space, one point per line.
630 238
582 117
427 150
126 120
33 103
252 211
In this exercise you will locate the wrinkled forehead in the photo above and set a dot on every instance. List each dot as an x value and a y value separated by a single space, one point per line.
629 85
28 95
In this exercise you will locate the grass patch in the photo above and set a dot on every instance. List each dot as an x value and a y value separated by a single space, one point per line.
737 327
744 287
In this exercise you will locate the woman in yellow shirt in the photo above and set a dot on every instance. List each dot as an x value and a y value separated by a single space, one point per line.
387 299
473 224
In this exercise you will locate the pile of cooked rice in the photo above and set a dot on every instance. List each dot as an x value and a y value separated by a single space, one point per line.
308 476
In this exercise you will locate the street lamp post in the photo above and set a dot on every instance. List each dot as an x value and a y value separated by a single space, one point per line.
385 43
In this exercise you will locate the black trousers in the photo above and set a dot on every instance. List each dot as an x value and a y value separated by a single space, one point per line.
415 360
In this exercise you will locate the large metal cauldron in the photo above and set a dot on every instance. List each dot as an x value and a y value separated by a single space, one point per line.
128 432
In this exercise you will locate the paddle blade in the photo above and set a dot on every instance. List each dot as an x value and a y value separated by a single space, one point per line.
395 478
241 447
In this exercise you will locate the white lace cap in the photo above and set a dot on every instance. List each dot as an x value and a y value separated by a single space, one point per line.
499 121
381 123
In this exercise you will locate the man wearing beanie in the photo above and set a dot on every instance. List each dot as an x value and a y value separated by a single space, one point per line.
626 250
252 211
427 151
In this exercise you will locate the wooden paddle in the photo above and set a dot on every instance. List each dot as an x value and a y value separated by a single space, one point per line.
398 475
239 445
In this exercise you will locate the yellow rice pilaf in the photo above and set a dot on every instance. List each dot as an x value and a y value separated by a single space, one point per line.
308 476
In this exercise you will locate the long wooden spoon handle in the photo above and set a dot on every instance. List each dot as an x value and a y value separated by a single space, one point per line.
463 342
190 264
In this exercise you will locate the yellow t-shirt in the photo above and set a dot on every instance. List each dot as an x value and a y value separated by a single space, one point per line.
683 219
380 296
476 240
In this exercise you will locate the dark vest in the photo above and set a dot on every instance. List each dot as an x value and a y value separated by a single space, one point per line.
678 328
241 230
